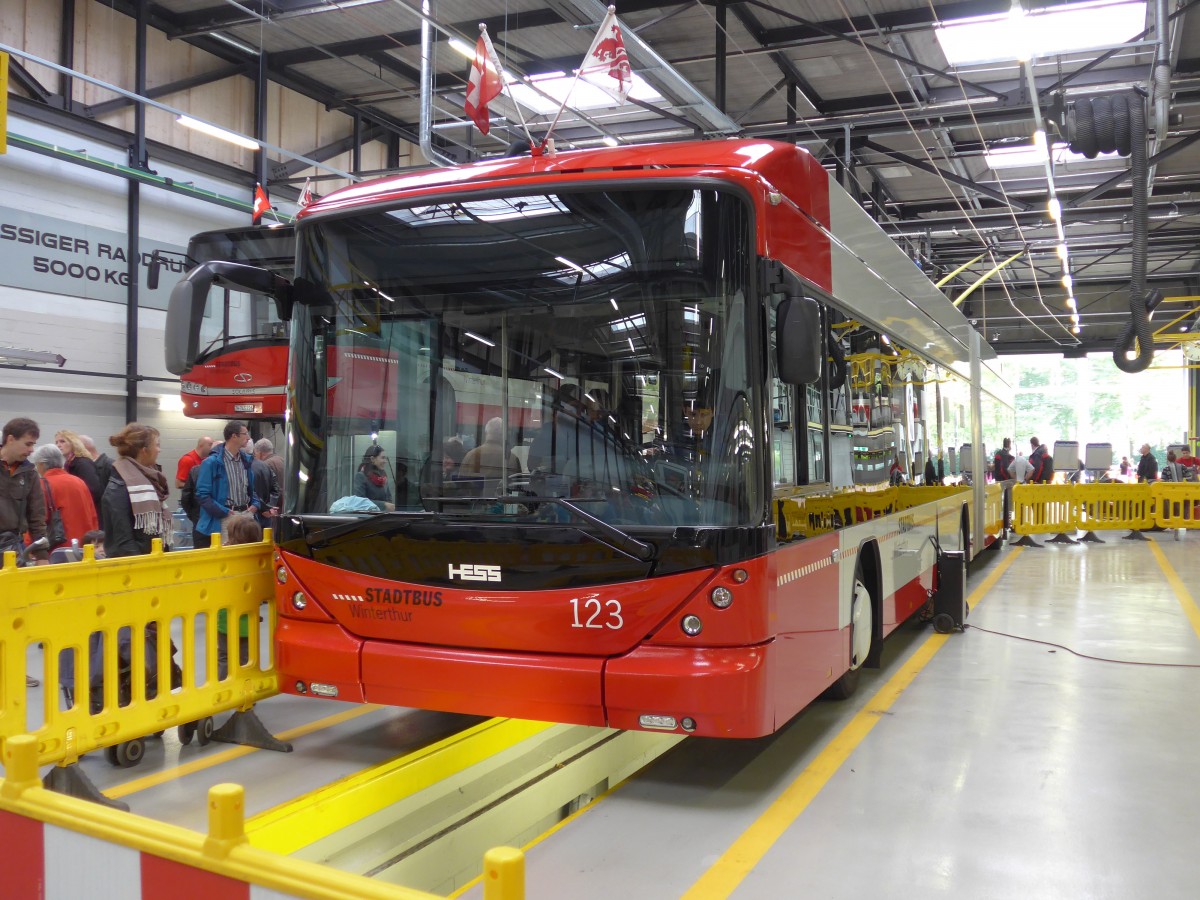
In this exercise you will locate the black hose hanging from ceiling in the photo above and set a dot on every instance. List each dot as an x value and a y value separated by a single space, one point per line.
1105 125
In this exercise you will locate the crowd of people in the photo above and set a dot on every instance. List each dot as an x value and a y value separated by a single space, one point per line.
66 494
1038 467
71 494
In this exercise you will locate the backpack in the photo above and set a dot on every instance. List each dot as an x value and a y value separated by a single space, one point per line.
1001 465
188 499
56 532
1046 473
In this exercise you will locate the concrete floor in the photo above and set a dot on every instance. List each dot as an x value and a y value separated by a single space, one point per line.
1007 769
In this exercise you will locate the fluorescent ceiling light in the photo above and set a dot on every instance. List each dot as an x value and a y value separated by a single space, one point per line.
582 94
213 131
234 42
549 371
481 340
1062 29
1031 156
462 47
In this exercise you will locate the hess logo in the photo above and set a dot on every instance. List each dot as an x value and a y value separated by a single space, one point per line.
468 572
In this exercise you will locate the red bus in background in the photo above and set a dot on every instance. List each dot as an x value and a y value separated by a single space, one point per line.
229 346
634 343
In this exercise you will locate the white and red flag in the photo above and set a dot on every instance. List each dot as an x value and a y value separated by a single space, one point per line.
261 204
306 195
483 84
606 64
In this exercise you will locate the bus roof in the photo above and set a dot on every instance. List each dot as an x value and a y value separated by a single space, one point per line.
771 159
866 262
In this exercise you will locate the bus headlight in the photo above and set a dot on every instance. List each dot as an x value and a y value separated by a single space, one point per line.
281 575
721 597
740 576
299 601
691 625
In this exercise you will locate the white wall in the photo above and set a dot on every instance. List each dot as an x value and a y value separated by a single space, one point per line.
90 334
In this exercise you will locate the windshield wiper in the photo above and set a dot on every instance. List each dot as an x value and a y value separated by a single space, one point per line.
617 539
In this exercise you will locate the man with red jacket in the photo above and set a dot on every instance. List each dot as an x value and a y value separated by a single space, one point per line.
66 494
1043 464
1002 462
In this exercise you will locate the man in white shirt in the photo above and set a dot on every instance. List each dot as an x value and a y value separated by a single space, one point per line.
1021 468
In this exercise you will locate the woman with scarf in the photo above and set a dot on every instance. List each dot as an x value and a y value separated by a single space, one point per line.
134 513
370 480
134 510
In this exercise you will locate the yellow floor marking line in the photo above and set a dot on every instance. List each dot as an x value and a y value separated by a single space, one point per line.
216 759
724 876
1181 592
318 814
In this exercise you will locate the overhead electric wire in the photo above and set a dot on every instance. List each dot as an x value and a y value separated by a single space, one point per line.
949 191
1071 338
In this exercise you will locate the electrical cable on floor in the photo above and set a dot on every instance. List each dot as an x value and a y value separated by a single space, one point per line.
1124 662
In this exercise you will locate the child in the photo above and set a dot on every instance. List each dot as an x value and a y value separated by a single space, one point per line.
96 539
241 530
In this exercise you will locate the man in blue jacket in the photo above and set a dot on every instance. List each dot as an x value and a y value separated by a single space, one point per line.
225 485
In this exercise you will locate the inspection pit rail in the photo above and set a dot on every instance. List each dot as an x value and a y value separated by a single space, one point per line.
62 847
85 607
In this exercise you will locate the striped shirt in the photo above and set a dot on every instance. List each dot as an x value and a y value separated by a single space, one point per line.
235 471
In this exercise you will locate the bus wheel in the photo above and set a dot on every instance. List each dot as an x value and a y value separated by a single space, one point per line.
862 627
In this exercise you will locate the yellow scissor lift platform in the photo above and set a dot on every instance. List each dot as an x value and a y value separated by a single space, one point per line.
406 797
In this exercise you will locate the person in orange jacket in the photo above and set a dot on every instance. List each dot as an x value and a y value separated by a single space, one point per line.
65 494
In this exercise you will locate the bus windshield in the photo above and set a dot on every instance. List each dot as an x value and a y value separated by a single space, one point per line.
517 356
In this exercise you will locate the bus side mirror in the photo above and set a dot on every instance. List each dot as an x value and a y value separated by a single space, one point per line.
799 344
152 271
185 311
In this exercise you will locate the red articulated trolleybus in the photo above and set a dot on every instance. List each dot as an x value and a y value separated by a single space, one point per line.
596 379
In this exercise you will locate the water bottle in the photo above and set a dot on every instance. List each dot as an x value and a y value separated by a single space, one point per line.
181 528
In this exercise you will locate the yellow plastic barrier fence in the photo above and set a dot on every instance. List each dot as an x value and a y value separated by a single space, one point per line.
98 610
1109 507
220 864
1177 504
1044 509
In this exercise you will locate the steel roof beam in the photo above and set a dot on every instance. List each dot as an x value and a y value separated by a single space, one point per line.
785 65
184 84
948 176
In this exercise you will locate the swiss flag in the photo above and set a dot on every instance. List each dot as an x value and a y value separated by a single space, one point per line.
306 195
483 85
261 203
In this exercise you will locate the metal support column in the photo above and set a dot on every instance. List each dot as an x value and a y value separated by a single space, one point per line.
260 121
356 151
719 75
978 466
66 37
137 160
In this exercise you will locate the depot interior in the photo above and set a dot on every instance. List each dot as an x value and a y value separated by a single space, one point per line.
955 125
